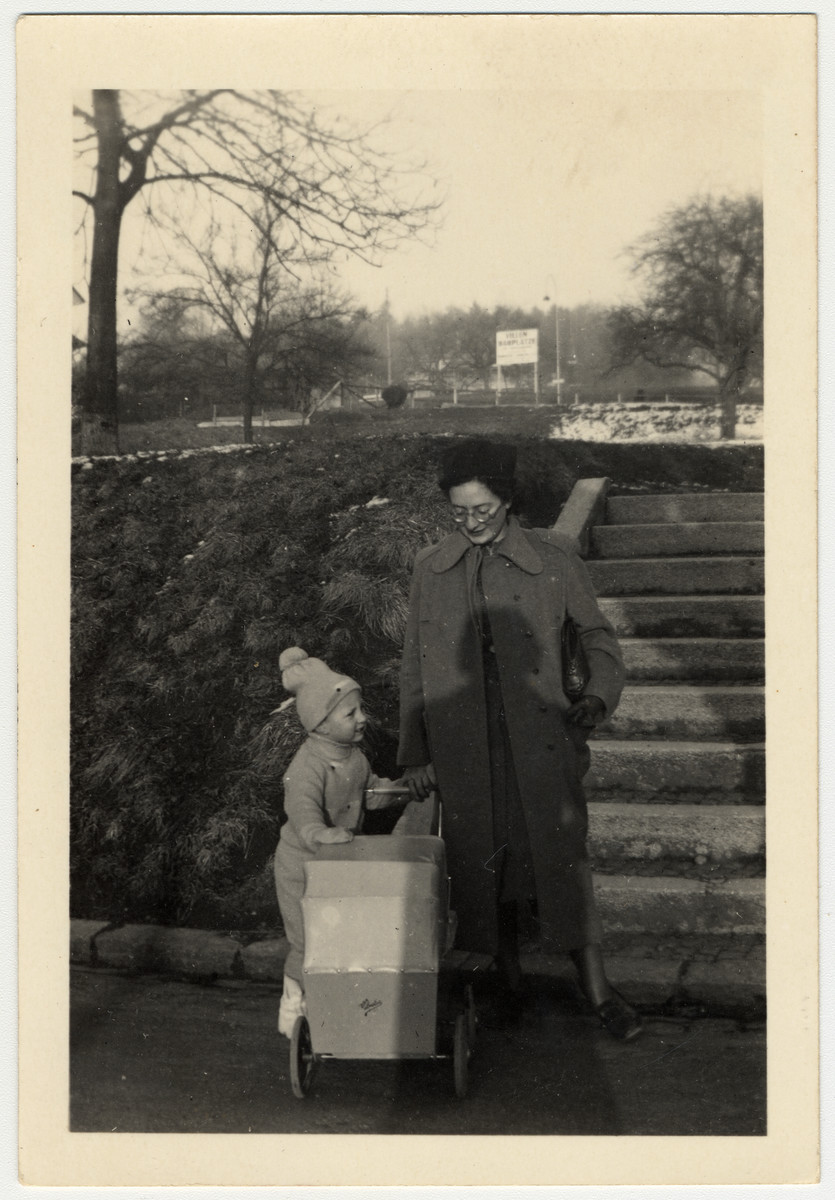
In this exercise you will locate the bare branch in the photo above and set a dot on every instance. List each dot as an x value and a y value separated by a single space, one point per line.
703 301
85 116
309 189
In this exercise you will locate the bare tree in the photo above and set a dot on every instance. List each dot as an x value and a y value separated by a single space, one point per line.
329 189
703 301
174 363
238 282
477 344
429 348
312 356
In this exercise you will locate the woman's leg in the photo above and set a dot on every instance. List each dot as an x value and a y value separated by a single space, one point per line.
589 963
507 954
617 1016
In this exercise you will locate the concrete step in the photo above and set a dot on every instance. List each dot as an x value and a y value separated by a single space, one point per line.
643 541
696 506
696 840
685 713
671 772
695 659
671 906
685 616
681 979
677 576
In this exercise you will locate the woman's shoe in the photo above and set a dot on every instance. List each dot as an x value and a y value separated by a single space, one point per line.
509 973
619 1018
503 997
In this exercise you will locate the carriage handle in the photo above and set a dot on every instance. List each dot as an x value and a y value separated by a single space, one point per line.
402 790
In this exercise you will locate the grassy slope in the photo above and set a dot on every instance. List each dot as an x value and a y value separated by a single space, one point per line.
191 574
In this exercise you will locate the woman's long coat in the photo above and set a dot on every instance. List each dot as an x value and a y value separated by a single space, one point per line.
530 581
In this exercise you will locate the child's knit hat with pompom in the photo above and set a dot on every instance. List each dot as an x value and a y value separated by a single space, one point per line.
316 687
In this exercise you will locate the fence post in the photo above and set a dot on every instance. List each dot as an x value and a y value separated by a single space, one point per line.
214 413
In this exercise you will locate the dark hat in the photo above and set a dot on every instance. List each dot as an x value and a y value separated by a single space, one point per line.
477 458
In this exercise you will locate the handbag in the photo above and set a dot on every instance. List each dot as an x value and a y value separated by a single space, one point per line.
575 665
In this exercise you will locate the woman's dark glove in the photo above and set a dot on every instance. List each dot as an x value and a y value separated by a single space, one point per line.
421 781
587 711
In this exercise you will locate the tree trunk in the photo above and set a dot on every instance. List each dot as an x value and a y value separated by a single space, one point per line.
248 398
99 421
727 418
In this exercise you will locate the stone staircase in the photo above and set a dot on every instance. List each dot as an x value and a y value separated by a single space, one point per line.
677 784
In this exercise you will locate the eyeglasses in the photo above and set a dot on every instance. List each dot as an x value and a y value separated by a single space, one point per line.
481 512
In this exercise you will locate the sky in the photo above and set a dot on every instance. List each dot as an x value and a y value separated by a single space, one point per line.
544 190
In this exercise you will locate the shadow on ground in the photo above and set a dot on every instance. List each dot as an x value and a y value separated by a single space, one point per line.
156 1055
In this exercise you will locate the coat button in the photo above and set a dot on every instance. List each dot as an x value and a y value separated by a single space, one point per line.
543 708
550 746
517 597
534 670
528 633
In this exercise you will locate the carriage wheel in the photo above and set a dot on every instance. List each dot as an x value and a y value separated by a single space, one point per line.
472 1014
302 1058
460 1055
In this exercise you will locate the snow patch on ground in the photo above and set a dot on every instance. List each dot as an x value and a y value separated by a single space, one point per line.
671 422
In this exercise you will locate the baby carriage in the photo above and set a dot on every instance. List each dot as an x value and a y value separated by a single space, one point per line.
377 925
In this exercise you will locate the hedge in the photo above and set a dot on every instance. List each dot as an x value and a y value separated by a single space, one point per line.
191 573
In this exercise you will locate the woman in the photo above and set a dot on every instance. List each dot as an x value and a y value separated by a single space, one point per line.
484 714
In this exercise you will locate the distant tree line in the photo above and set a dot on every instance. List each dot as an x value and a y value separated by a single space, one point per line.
184 359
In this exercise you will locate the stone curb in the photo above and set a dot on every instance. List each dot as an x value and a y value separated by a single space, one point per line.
194 953
728 985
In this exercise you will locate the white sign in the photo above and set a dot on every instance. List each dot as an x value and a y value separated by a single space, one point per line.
517 346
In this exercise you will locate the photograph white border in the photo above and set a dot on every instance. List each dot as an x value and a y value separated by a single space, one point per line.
773 54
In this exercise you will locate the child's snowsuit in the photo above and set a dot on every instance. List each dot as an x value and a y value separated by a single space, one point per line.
323 788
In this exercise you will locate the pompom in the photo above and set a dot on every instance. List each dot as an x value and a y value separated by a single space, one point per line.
290 657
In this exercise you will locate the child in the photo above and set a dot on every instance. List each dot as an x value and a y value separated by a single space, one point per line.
324 796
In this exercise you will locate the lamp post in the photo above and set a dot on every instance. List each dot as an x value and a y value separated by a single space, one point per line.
557 332
388 340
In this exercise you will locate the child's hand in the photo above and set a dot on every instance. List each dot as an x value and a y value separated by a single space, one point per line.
331 837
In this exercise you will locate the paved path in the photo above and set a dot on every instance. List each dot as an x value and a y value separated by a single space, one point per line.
150 1054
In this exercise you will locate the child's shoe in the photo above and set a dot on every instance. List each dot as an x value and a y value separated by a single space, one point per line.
291 1007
